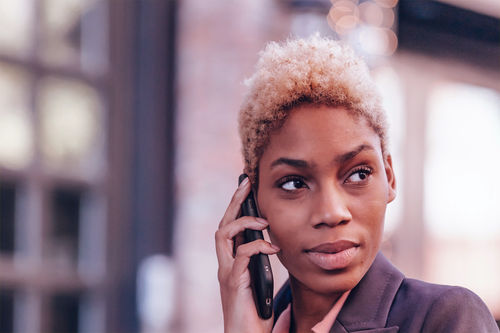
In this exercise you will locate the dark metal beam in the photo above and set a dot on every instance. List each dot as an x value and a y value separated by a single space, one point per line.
443 30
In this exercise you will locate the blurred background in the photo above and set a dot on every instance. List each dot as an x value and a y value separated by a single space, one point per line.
119 149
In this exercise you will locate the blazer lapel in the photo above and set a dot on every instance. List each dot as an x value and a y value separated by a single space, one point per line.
367 307
338 328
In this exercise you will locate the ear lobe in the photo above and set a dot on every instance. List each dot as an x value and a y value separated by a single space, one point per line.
391 178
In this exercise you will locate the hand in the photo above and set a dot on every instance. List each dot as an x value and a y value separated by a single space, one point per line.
238 306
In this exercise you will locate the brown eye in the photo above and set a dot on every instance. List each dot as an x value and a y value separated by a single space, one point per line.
292 184
359 175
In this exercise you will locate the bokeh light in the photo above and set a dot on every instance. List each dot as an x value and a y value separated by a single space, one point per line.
367 24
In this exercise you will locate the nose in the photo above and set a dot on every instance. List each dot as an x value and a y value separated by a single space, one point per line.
330 207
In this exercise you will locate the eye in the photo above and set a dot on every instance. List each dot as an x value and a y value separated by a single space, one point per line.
359 175
291 183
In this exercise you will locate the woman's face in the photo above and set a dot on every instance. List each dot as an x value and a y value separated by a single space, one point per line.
323 187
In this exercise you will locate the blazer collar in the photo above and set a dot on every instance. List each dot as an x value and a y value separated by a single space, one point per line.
367 307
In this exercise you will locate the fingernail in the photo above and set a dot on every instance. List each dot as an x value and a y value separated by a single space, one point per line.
244 181
260 220
275 247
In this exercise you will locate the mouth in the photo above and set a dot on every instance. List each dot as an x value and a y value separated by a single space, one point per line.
333 256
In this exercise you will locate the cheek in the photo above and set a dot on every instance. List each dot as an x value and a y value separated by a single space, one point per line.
282 224
370 213
286 220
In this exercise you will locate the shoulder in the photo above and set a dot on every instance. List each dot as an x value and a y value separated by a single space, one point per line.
439 308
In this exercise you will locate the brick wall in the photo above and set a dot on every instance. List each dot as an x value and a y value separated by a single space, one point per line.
218 45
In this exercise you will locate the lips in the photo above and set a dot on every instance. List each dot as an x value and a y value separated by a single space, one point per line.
334 255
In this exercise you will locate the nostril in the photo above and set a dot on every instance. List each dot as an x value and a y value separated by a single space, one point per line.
329 224
343 222
319 225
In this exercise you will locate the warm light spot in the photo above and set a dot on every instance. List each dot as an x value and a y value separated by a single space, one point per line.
330 20
341 9
70 121
387 3
392 41
346 23
378 41
371 13
343 16
367 25
389 18
16 137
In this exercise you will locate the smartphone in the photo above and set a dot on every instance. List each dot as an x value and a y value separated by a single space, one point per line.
259 266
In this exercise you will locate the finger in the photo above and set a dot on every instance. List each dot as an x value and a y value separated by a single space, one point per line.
237 241
239 238
239 196
224 237
230 230
245 251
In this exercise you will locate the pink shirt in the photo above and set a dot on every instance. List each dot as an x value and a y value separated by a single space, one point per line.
283 322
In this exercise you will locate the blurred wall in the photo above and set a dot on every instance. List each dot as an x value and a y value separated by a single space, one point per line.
218 46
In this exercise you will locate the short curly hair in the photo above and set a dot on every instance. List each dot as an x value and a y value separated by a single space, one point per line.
315 70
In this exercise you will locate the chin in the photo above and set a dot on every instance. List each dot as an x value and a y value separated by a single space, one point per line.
333 282
338 282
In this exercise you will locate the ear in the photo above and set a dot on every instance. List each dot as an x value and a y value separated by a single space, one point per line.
391 179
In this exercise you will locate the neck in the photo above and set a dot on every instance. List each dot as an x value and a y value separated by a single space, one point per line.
309 307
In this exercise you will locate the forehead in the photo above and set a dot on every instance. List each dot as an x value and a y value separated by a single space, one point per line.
312 130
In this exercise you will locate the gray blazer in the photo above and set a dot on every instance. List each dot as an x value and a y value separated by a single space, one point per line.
386 301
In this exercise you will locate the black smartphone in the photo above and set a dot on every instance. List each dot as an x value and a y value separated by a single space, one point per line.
259 266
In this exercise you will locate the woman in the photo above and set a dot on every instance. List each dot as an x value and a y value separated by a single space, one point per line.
314 139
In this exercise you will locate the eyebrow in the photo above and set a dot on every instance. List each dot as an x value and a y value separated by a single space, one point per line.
350 155
301 164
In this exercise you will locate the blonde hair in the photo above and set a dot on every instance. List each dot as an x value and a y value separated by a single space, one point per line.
315 70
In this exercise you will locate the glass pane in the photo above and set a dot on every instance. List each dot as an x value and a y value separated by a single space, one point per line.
64 240
64 309
71 126
15 128
7 216
461 196
463 140
75 33
6 311
15 27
